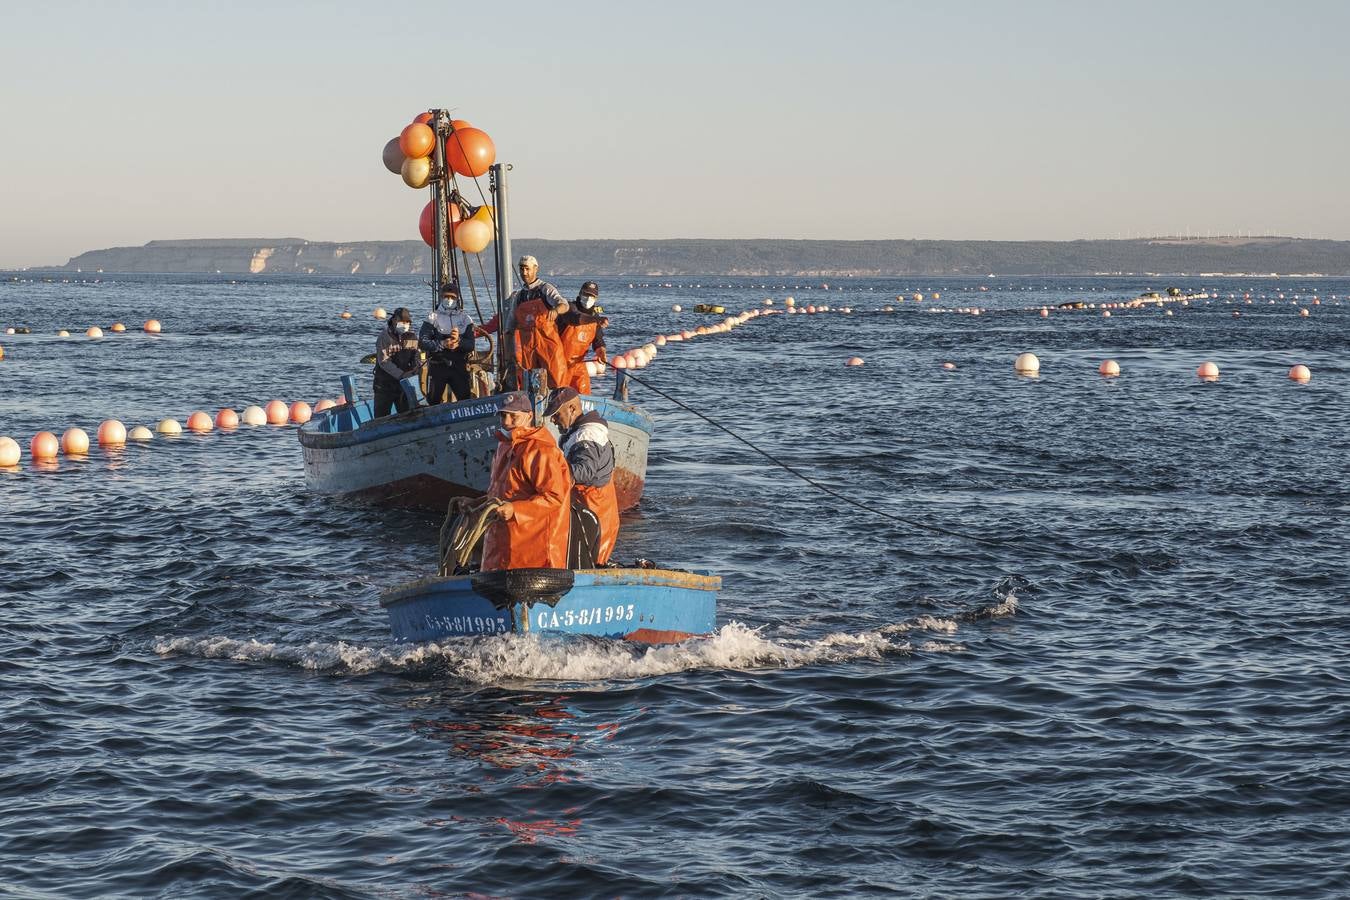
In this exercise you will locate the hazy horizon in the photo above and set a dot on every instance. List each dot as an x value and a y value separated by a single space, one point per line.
869 121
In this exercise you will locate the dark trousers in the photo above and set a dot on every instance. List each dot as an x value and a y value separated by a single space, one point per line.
441 377
585 537
388 397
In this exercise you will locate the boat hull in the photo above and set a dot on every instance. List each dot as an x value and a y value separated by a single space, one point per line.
430 454
652 606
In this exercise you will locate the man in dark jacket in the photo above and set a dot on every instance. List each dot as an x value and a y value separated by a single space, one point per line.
447 339
584 439
395 359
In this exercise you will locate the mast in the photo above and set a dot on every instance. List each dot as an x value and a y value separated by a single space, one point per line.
444 267
505 269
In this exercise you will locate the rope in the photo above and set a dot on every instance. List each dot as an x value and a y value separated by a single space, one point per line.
923 526
465 522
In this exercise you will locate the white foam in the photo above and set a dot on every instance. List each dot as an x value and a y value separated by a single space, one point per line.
506 658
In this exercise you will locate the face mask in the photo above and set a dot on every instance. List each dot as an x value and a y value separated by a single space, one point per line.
402 327
587 302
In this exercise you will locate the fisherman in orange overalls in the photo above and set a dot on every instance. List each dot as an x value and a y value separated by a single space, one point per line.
530 327
531 478
590 458
582 329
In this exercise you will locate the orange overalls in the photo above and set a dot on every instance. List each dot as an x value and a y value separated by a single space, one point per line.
576 341
531 472
538 344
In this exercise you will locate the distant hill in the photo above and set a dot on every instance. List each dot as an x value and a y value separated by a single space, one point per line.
762 257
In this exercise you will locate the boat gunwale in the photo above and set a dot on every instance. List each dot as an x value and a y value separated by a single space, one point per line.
442 415
632 577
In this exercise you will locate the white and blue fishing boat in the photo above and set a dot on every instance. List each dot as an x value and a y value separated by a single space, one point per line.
430 454
653 606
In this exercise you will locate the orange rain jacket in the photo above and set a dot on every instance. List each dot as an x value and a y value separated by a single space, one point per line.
531 472
538 344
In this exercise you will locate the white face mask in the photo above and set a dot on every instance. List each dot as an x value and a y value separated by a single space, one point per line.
402 327
587 302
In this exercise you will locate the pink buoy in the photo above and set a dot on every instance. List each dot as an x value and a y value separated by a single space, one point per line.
949 366
44 445
854 361
619 362
300 412
1208 371
277 412
152 326
324 405
199 423
1109 367
227 419
1300 373
112 433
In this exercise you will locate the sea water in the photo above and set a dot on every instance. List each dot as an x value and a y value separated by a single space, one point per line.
1116 670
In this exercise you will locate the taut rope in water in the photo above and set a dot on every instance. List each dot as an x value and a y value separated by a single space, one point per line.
924 526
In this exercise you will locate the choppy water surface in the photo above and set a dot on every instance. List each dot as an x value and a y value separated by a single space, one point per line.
1137 689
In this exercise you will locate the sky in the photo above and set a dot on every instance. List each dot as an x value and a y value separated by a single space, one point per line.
123 122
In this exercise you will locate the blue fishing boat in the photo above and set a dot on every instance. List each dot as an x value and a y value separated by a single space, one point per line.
654 606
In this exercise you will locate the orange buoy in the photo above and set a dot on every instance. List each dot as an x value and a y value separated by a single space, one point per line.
470 152
10 452
93 331
300 412
854 361
1300 373
118 328
169 426
277 413
152 326
74 442
44 445
424 118
254 415
227 418
112 433
1208 371
416 140
199 423
392 156
344 315
2 352
1109 367
324 405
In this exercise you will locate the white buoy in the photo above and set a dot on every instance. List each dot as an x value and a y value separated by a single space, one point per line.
677 308
1027 363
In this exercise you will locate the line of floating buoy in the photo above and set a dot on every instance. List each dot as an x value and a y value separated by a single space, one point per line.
112 434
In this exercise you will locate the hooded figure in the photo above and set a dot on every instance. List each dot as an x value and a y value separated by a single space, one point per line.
395 359
531 478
